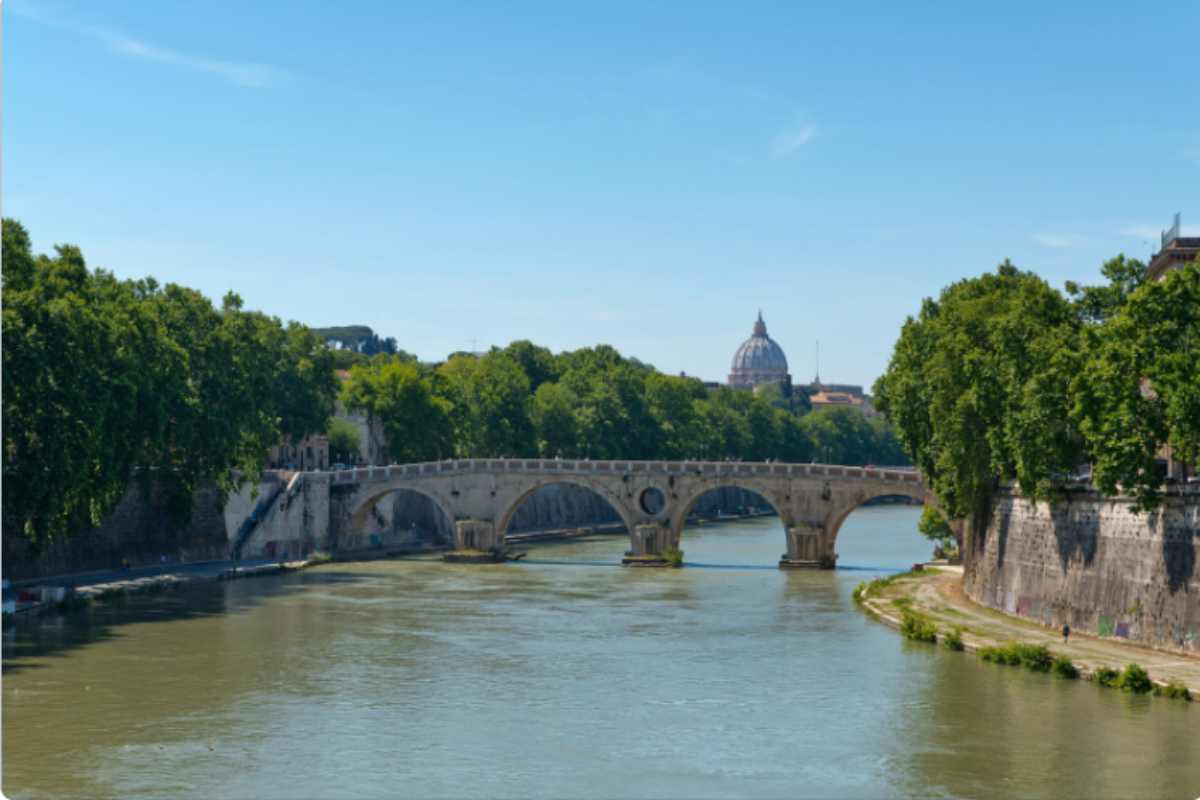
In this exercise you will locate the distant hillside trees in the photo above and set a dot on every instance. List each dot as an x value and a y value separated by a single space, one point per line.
358 338
104 378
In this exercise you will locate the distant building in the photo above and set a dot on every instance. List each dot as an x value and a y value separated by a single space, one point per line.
758 361
310 453
839 395
1174 252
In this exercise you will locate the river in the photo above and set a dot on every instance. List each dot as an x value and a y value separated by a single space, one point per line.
564 675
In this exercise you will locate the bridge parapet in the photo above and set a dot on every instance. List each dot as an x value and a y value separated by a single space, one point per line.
585 466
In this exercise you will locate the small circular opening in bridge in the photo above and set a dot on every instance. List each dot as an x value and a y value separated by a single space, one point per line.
652 501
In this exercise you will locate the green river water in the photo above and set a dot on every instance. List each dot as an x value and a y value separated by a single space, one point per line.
564 675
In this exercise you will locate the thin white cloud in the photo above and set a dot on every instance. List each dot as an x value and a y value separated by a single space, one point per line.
1060 240
1141 231
257 76
788 141
239 73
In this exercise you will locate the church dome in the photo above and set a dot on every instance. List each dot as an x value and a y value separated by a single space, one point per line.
759 359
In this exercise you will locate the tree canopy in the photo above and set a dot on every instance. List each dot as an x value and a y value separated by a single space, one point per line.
1004 378
524 401
104 378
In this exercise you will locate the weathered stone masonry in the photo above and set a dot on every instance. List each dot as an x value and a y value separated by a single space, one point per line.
1094 563
812 500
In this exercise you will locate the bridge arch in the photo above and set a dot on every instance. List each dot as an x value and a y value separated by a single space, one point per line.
364 507
509 509
679 515
833 522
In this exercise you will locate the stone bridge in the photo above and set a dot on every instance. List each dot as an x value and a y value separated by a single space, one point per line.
652 498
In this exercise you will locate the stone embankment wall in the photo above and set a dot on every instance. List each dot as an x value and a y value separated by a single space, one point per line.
1093 563
139 529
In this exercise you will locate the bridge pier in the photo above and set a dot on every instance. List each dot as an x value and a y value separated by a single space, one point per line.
651 545
476 541
807 549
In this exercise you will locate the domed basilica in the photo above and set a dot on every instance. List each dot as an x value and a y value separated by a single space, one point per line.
759 360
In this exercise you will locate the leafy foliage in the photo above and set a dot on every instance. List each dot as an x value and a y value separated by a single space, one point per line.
104 378
918 627
977 387
1063 667
416 421
1139 386
343 442
1002 378
953 640
935 528
1134 678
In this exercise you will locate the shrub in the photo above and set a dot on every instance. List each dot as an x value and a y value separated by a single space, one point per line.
917 627
674 556
1034 656
1064 668
1107 676
857 594
1134 679
1174 690
1007 654
953 639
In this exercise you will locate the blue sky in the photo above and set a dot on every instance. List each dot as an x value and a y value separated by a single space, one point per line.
579 173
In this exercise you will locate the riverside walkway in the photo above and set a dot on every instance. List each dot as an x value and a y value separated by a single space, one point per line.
940 596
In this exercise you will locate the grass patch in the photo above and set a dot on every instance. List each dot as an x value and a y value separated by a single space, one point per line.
1107 676
953 639
879 584
857 594
918 627
903 603
1135 679
674 556
1063 667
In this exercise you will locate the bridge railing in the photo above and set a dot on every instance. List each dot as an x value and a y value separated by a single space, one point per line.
715 468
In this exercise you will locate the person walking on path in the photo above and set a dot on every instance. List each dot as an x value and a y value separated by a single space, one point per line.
1066 632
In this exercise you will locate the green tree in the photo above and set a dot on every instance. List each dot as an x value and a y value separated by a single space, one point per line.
554 421
343 442
105 379
490 405
1139 385
670 405
1098 303
933 526
416 422
538 363
977 385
